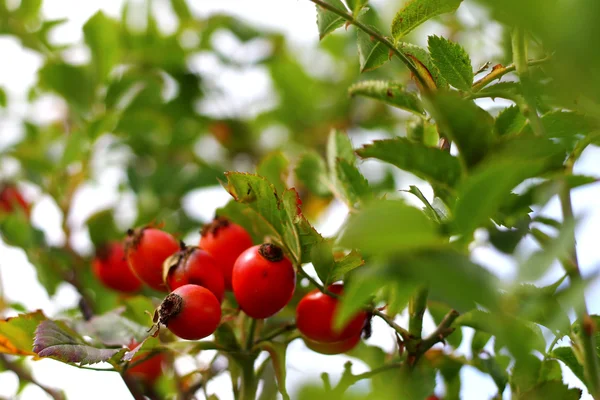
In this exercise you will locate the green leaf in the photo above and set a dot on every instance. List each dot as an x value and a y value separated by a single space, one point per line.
525 374
355 186
431 164
28 9
429 210
479 341
277 352
551 390
112 329
69 81
356 6
3 98
274 167
509 122
389 92
424 61
372 54
339 146
17 230
387 227
467 125
519 336
327 21
182 10
567 356
101 34
312 172
452 61
17 333
56 340
102 228
246 217
415 12
494 367
421 131
323 261
76 148
346 264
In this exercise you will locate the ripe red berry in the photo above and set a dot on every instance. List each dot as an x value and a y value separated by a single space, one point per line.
333 347
111 268
433 397
11 200
195 266
315 315
225 241
263 280
190 312
148 370
146 250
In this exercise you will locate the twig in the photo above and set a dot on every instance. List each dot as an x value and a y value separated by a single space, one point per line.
406 336
251 331
25 375
281 330
499 72
587 332
348 378
443 330
416 310
376 36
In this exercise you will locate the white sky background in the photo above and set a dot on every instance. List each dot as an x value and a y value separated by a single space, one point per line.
296 18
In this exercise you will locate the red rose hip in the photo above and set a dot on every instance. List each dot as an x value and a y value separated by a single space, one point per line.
148 370
333 347
190 312
263 280
192 265
111 268
146 250
225 241
315 316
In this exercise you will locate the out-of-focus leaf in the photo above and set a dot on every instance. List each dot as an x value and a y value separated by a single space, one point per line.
510 121
102 228
506 240
339 146
415 12
453 62
246 217
323 261
388 227
356 187
274 167
346 264
551 390
312 172
356 5
138 309
3 98
494 367
182 10
55 340
69 81
327 21
517 335
421 131
433 165
17 230
423 58
102 36
372 54
17 333
277 352
467 125
112 329
567 356
479 341
389 92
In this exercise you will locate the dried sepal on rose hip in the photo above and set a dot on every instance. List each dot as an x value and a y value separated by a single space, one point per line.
263 280
225 241
111 268
192 265
190 312
147 249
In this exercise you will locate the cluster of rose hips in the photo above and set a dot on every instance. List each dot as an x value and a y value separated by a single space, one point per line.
261 278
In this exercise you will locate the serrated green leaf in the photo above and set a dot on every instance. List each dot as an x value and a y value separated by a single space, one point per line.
372 54
327 21
415 12
467 125
312 172
323 261
112 329
56 340
274 167
509 122
453 62
387 227
101 34
567 356
356 187
425 62
433 165
339 146
389 92
429 210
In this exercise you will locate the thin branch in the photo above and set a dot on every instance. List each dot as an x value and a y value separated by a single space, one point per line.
416 311
500 71
250 337
376 36
348 379
280 331
443 330
390 321
25 375
588 328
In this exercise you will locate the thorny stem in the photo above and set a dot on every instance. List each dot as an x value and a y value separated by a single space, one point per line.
443 330
25 375
376 36
416 311
588 329
500 71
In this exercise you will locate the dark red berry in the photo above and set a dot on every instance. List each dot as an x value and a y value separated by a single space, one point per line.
111 268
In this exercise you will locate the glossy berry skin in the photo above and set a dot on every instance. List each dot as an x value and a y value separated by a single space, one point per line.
225 241
147 371
11 200
191 312
195 266
315 316
111 268
333 347
263 281
146 250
